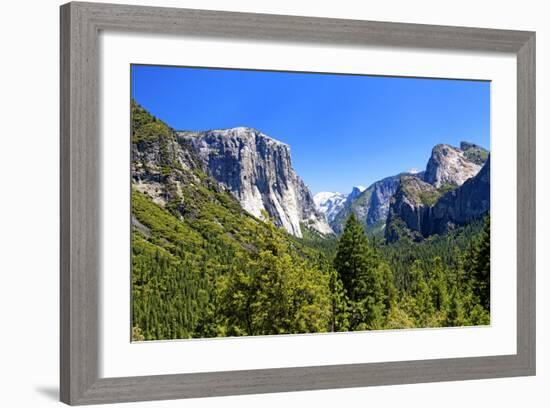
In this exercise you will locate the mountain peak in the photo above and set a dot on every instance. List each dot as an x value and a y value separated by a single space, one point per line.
474 153
355 192
449 165
242 132
257 170
418 209
329 203
469 145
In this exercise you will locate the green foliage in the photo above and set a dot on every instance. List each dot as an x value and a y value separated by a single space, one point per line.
355 260
322 244
476 155
429 198
203 267
274 294
398 318
445 188
438 285
195 278
339 303
456 314
201 263
363 277
479 264
274 291
146 128
137 335
449 247
397 227
420 306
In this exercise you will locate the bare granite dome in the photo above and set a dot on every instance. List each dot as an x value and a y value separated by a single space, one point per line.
449 165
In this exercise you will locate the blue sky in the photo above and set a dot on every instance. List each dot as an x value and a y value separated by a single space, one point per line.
343 130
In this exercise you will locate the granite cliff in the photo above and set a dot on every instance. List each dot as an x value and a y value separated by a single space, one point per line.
370 206
419 209
450 165
257 170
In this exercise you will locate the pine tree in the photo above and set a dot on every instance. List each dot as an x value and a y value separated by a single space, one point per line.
340 303
438 285
420 293
354 259
388 286
479 264
456 315
479 316
357 265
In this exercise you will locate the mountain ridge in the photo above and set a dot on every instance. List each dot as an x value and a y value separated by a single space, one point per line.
419 209
257 170
448 167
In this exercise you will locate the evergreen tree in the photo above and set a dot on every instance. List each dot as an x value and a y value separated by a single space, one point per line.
420 293
354 259
357 265
456 315
203 267
438 285
479 264
340 303
479 316
274 293
388 286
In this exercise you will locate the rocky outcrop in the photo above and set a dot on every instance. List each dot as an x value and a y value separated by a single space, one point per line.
449 165
470 201
381 193
419 209
476 154
356 191
258 171
159 164
407 215
370 206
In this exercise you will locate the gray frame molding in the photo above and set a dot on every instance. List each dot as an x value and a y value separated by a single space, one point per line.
80 233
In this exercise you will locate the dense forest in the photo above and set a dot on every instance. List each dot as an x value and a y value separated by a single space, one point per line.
203 267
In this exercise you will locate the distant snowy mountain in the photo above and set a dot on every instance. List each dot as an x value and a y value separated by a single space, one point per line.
329 204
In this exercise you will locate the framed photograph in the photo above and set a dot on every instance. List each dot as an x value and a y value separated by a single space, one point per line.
262 203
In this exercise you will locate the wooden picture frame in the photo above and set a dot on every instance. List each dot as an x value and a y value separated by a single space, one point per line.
81 24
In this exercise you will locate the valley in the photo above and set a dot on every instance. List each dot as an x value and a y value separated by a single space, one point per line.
228 240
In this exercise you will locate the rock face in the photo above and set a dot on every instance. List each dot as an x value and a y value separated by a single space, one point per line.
418 209
370 206
258 171
470 201
356 191
476 154
329 204
448 168
160 165
450 165
453 190
407 214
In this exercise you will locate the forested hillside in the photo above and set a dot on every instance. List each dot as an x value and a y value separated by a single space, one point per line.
202 266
